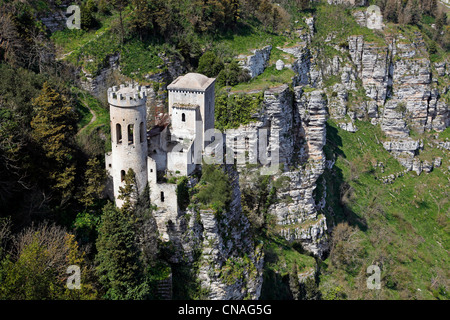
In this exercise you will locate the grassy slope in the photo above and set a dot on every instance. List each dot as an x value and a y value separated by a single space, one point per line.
279 260
403 225
90 49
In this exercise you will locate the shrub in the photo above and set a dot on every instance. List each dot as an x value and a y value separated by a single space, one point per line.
232 74
183 193
215 189
231 111
209 64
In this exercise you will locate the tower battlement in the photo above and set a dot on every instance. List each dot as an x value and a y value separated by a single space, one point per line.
129 95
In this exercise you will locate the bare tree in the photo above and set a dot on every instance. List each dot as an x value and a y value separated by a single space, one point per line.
10 44
5 231
49 236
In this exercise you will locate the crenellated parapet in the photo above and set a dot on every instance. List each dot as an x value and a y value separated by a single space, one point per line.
129 95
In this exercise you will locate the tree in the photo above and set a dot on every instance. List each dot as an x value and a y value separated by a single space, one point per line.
303 4
128 193
346 249
210 15
146 229
309 290
232 74
411 13
214 187
294 285
53 129
276 16
142 19
430 7
118 257
391 11
250 7
265 13
441 22
120 5
95 177
183 193
232 10
209 64
87 15
53 124
37 263
416 13
5 233
10 42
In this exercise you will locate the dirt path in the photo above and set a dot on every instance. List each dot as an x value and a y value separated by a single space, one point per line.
94 117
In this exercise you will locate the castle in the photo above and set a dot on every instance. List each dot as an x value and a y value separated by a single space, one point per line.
173 147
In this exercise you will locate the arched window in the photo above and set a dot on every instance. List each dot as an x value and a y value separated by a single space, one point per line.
122 175
141 132
183 117
118 133
130 133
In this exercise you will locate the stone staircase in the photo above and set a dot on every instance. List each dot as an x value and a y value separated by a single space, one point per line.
164 288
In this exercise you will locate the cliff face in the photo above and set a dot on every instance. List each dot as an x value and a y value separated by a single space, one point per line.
257 62
296 212
397 86
218 248
231 264
399 77
295 121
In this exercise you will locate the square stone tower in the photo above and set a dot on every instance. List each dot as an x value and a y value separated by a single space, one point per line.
186 94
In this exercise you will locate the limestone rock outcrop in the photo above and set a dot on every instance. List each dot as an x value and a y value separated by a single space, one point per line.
231 264
257 62
298 121
402 91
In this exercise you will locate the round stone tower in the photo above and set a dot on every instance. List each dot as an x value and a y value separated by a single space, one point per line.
128 135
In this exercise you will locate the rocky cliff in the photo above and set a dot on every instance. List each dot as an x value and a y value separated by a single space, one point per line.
297 120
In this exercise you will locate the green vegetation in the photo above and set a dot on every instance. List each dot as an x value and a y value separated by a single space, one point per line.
270 78
89 128
35 267
281 262
233 110
87 105
117 258
445 135
401 225
338 22
213 190
183 196
209 64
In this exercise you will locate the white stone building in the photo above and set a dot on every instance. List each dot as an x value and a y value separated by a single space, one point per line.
170 149
128 135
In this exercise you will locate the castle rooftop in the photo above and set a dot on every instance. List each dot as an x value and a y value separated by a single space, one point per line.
129 95
191 82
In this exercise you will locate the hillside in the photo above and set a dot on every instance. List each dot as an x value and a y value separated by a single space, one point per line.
358 100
